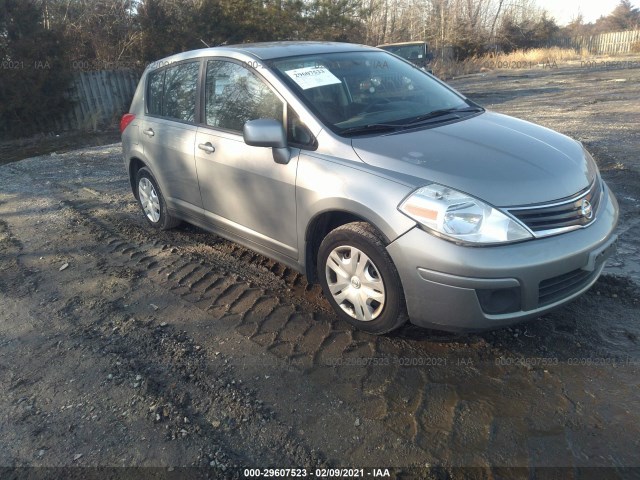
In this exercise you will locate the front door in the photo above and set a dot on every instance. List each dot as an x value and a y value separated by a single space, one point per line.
243 190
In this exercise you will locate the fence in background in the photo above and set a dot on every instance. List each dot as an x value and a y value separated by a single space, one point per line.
603 44
100 98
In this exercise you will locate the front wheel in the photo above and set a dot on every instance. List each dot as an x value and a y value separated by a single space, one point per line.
360 280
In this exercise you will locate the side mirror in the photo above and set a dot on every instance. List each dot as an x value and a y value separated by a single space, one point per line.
267 132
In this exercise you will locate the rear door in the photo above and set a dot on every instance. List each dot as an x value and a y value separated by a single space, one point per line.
243 190
169 131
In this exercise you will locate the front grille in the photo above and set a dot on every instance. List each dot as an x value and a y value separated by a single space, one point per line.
564 214
556 288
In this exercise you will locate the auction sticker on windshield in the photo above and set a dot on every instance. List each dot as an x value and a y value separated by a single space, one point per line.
312 77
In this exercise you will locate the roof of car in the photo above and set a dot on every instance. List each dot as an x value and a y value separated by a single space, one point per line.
273 50
401 44
269 50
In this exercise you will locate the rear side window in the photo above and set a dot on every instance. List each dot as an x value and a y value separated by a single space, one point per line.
234 96
172 92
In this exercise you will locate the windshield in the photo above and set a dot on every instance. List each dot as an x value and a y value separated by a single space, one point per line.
354 90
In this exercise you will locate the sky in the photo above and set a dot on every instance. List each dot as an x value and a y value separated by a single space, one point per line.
565 10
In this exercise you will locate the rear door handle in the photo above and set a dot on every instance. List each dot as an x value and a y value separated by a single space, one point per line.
149 132
207 147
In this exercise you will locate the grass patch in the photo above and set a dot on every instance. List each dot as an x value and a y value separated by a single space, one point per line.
516 60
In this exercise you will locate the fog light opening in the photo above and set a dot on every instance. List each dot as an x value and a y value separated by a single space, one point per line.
499 300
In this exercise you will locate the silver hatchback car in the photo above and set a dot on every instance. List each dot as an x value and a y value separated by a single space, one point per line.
401 197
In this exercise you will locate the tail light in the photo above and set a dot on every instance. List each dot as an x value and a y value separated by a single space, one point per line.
126 119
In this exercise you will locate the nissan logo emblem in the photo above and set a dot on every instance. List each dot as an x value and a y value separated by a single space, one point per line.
587 209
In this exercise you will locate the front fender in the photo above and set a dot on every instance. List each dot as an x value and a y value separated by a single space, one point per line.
326 185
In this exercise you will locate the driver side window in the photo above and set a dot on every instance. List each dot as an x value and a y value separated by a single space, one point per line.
234 95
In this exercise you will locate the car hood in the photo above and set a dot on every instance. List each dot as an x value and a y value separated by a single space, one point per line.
499 159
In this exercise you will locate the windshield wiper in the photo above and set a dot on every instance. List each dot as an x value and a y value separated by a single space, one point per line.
387 127
440 113
371 128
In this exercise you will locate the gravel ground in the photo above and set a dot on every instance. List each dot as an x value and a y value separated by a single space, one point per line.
125 347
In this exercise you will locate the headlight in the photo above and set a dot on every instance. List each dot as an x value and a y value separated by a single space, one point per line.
461 218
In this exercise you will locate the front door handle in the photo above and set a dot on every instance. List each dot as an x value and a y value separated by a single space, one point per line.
207 147
149 132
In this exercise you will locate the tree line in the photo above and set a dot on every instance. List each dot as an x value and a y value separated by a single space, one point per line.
43 41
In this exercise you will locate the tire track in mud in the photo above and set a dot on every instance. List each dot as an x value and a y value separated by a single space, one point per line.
308 338
272 307
287 326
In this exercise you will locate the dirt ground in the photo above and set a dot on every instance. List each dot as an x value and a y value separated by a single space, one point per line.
124 347
13 150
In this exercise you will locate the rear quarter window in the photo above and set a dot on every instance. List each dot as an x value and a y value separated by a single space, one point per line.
154 92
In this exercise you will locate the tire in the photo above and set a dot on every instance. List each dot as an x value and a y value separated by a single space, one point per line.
152 203
365 292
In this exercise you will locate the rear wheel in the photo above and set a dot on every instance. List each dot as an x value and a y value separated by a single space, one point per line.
152 202
360 280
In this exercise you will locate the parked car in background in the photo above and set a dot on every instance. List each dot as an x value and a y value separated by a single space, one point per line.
415 52
401 197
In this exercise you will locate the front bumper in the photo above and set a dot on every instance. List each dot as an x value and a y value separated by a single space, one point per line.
446 285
